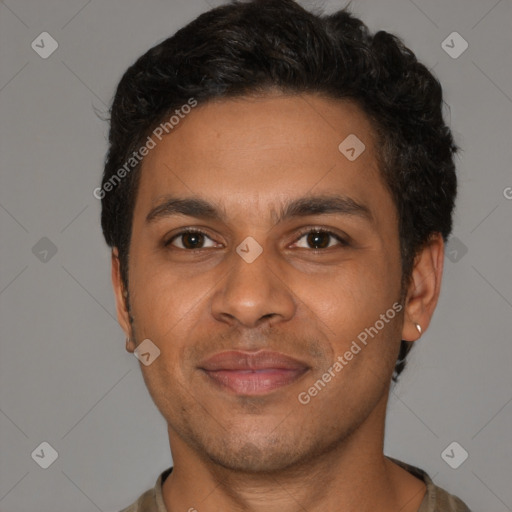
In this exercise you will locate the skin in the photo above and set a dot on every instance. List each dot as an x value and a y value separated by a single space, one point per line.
272 453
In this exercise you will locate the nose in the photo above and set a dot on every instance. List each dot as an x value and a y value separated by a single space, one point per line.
253 293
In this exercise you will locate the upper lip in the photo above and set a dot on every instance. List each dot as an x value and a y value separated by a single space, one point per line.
263 360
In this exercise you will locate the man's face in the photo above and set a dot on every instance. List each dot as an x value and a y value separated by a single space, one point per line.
306 296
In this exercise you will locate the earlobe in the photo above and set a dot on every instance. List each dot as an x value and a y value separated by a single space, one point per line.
424 288
121 296
130 345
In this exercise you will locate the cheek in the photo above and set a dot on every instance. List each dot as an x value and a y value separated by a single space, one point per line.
169 308
348 295
362 312
159 293
356 294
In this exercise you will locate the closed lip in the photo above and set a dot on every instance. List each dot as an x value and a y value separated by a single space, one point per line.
236 360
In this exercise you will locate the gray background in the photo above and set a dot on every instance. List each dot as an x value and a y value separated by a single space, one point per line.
65 376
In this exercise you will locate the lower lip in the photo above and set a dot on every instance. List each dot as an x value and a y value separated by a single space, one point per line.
254 382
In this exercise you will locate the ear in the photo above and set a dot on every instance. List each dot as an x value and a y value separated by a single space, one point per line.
424 288
121 294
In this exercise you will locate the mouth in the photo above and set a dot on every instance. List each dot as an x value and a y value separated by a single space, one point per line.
252 373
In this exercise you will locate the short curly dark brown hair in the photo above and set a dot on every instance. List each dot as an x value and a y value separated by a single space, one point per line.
250 47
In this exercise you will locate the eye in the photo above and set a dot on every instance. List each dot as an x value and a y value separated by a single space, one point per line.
194 239
191 239
320 238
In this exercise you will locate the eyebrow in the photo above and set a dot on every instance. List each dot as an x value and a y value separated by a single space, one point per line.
300 207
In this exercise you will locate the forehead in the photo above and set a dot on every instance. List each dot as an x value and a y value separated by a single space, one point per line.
263 150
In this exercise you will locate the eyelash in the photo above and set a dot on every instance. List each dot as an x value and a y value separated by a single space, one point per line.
305 231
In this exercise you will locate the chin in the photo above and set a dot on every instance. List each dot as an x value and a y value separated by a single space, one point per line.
262 454
252 459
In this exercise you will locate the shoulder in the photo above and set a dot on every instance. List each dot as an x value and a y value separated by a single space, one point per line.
145 503
436 499
152 499
442 501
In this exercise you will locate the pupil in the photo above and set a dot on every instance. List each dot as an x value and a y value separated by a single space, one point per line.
193 236
313 239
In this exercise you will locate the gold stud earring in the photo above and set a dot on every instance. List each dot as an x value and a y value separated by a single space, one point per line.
420 330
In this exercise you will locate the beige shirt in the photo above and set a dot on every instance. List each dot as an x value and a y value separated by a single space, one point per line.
435 500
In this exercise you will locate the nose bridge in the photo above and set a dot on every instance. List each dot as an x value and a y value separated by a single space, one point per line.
252 289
